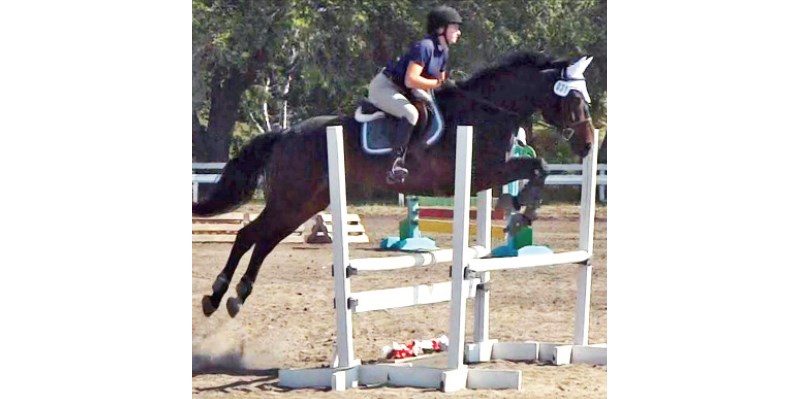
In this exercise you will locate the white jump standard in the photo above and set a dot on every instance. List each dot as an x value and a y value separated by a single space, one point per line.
580 351
469 278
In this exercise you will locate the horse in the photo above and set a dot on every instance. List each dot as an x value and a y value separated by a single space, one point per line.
292 165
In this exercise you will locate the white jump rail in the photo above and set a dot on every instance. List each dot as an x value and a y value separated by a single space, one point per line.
523 262
346 371
393 298
580 351
558 178
413 260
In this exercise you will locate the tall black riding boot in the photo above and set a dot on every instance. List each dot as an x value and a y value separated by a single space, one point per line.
398 173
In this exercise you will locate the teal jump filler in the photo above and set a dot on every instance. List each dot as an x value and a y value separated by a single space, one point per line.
411 238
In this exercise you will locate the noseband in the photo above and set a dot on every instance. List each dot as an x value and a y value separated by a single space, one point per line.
566 130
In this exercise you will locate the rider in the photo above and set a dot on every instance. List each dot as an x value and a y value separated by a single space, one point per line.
419 70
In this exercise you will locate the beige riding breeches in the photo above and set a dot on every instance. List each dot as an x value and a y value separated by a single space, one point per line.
386 96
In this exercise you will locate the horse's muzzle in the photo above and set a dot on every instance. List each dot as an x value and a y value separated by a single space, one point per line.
586 148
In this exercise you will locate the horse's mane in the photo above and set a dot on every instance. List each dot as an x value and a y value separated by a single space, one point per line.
535 59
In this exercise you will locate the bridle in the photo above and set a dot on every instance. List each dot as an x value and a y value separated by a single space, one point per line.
566 130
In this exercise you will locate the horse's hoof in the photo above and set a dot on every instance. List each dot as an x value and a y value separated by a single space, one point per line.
392 178
530 213
208 306
516 223
505 202
530 196
233 305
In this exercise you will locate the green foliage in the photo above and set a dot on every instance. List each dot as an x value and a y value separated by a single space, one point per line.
239 35
332 49
242 133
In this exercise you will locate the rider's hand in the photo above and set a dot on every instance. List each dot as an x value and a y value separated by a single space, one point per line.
446 84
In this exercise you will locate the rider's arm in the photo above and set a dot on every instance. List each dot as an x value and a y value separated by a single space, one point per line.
415 80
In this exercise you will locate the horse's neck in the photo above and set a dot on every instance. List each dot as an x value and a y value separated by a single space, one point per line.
520 94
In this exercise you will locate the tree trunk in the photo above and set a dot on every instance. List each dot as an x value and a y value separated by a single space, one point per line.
602 153
212 143
225 96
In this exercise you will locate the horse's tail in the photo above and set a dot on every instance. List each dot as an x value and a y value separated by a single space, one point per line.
239 177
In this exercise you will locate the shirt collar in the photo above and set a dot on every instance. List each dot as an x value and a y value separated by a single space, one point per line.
435 39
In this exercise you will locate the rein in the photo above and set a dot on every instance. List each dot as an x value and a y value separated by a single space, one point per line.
565 131
481 101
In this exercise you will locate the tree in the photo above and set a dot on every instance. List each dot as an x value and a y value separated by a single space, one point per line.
319 56
233 43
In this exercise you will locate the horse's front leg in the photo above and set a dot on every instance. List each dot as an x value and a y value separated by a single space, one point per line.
534 170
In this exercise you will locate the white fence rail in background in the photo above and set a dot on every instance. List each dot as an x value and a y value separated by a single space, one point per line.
564 174
560 175
569 174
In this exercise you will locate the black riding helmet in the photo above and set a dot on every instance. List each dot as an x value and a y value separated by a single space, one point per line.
442 16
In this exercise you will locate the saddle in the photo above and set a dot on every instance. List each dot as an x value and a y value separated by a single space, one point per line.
378 127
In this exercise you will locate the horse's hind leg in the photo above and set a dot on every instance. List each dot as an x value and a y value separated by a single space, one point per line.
244 241
280 221
245 286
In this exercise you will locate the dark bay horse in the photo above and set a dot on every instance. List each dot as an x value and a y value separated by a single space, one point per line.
293 164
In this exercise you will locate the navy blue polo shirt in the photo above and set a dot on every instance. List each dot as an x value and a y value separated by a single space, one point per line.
426 52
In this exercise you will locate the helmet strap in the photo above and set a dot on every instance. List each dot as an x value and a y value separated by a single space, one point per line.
444 40
443 35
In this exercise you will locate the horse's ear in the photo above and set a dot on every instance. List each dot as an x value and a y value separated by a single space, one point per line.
575 71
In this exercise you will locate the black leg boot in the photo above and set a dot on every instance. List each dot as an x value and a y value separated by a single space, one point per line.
398 173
